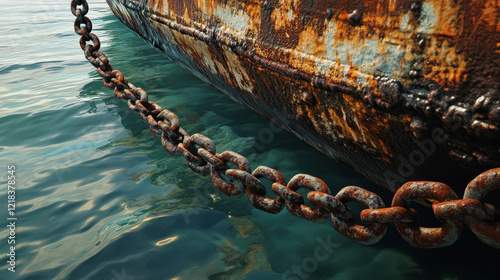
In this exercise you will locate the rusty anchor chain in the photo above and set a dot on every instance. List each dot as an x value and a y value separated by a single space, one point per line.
200 155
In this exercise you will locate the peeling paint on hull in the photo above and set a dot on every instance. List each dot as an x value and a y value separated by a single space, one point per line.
397 90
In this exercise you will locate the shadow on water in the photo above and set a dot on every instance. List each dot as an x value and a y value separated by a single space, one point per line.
200 233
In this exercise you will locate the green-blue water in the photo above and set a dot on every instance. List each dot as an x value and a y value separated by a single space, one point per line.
97 197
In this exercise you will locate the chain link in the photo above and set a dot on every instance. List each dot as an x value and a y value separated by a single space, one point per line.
200 155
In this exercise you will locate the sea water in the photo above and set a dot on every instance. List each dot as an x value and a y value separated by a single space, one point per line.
97 197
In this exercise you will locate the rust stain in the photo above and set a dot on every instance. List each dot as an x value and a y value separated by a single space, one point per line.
300 31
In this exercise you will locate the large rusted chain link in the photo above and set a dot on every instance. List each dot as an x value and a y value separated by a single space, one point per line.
200 155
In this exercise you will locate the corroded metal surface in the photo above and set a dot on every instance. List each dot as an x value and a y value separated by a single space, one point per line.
481 217
370 234
399 90
427 237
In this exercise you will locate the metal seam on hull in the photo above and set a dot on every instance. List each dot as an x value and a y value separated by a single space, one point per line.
248 52
243 48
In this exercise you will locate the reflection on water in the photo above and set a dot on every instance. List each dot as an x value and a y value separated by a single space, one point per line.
99 198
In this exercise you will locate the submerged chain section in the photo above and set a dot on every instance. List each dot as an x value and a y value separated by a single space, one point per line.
201 156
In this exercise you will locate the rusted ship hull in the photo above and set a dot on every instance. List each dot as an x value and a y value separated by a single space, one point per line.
398 90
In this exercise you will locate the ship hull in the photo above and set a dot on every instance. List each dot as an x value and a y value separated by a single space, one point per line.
396 90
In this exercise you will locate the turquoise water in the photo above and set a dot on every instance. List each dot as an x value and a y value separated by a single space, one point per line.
98 198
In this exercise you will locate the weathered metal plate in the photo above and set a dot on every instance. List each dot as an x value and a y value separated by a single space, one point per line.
398 90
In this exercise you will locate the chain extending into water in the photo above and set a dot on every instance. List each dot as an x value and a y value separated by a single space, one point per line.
201 156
